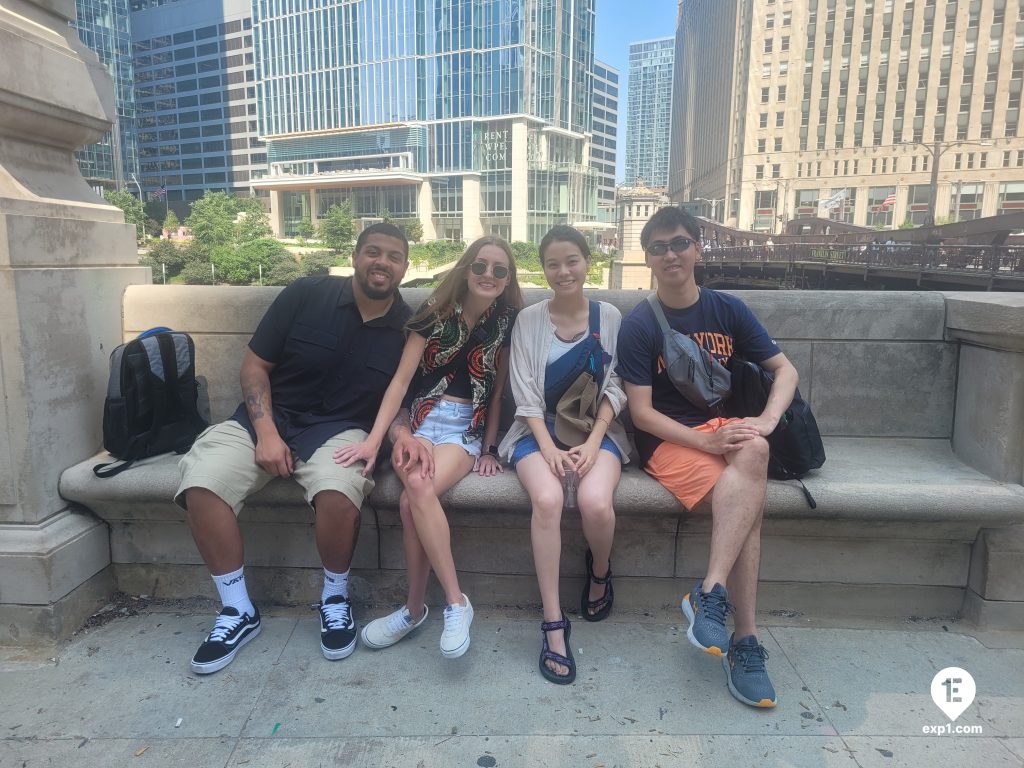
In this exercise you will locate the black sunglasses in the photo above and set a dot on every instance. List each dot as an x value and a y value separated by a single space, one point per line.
679 245
480 268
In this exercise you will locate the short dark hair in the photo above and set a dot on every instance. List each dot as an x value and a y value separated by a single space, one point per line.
666 220
563 233
383 228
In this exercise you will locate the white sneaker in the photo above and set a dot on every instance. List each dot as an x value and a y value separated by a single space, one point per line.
455 638
388 630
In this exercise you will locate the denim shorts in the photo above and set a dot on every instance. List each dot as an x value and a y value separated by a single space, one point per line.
446 424
528 445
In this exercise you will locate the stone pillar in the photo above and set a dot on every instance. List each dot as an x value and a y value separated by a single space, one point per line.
313 206
425 211
276 215
471 226
520 181
65 260
988 435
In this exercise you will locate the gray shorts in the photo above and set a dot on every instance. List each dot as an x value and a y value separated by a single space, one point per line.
223 461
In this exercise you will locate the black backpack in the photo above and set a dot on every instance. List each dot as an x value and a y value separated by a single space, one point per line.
795 445
151 399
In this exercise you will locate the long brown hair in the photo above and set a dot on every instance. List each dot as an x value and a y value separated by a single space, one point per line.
455 284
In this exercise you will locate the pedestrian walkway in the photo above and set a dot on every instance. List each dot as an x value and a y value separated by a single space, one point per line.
122 694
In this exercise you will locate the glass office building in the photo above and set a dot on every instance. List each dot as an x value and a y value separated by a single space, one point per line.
604 151
195 95
472 115
103 26
649 114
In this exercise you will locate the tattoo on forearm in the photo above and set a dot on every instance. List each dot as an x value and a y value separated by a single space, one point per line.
256 401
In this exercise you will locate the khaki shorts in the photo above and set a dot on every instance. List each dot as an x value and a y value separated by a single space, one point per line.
689 474
223 461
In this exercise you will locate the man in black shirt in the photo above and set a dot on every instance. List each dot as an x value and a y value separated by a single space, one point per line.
312 381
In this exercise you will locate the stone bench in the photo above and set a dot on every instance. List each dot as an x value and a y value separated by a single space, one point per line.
910 520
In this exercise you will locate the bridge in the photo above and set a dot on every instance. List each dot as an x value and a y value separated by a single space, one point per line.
865 265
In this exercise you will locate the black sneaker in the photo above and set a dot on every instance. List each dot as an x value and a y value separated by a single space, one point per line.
229 634
337 628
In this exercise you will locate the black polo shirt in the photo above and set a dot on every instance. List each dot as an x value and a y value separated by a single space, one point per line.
331 368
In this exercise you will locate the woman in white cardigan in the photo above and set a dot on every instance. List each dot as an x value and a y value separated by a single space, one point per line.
553 343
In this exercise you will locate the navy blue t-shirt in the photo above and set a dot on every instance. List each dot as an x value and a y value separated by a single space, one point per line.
330 368
720 323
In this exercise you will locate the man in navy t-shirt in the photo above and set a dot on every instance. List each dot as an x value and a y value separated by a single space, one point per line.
697 455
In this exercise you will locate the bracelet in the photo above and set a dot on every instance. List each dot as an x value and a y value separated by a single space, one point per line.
607 422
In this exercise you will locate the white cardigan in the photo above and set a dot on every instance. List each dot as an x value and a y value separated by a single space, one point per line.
531 342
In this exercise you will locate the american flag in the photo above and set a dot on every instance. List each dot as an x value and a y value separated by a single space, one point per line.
890 200
159 192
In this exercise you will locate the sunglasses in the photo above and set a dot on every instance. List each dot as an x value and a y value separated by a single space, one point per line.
679 245
480 268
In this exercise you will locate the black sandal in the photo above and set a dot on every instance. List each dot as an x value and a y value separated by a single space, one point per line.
603 605
546 654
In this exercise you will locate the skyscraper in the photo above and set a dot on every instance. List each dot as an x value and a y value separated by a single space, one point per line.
103 26
649 111
196 98
472 117
604 151
845 110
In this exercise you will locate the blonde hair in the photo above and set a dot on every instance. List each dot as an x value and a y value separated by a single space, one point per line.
455 284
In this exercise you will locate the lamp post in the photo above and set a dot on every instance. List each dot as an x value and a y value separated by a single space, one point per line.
937 149
135 181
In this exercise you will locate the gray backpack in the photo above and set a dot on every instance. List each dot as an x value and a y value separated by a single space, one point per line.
694 371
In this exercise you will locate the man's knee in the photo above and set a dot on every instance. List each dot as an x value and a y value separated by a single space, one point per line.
754 454
201 503
336 505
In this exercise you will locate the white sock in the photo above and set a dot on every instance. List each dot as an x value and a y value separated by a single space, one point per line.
334 584
233 592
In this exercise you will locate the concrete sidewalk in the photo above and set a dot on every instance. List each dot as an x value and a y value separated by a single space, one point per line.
122 695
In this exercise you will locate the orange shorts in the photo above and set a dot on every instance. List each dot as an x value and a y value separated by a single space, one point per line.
689 474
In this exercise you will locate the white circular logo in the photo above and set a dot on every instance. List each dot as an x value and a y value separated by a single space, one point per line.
953 691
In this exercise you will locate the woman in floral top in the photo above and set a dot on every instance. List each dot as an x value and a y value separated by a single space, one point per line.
451 377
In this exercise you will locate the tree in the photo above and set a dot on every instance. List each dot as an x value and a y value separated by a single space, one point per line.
132 208
318 262
412 228
305 230
212 219
253 223
337 230
283 273
164 255
171 223
195 273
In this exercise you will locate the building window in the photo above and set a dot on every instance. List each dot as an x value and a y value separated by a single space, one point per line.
761 145
768 45
881 202
778 143
765 95
759 172
780 119
781 93
965 201
1011 197
763 120
776 170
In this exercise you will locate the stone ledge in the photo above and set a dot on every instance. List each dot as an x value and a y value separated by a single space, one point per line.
879 479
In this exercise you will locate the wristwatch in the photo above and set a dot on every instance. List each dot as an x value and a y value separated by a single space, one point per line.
493 450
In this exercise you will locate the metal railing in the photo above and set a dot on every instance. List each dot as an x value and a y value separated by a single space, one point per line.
960 258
